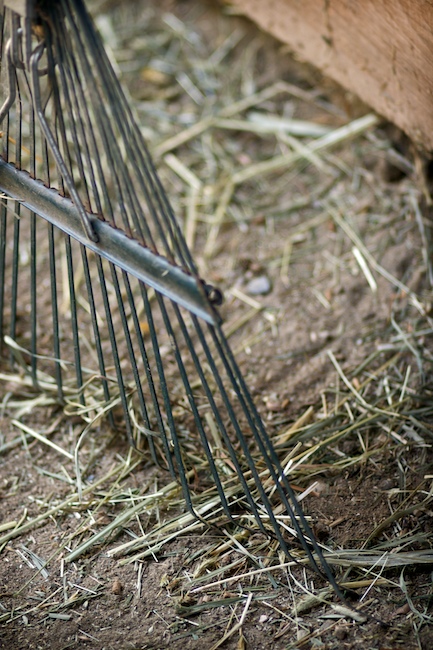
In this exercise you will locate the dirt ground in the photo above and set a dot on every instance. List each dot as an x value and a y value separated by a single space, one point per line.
326 263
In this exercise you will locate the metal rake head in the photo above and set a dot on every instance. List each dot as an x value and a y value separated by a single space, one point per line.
101 303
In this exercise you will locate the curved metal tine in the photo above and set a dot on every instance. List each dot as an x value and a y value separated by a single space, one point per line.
197 418
162 427
96 330
220 426
147 369
37 102
112 334
13 62
53 266
92 55
167 430
239 433
10 99
3 231
281 482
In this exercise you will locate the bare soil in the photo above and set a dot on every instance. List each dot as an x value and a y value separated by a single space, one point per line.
318 300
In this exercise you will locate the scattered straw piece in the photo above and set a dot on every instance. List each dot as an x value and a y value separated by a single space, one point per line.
236 627
42 438
364 268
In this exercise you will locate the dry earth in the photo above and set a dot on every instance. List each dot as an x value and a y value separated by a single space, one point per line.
321 289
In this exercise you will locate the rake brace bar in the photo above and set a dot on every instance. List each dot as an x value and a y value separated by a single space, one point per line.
113 244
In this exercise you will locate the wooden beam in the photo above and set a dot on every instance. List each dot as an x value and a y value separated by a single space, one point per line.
380 50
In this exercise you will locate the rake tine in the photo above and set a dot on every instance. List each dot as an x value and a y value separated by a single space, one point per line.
33 299
15 269
110 223
198 420
3 231
96 331
268 453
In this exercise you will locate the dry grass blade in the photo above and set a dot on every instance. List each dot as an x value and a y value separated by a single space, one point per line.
367 255
236 627
41 438
344 133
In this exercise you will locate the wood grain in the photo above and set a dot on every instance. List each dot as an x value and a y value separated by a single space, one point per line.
382 51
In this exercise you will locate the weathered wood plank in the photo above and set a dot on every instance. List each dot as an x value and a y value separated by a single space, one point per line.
382 51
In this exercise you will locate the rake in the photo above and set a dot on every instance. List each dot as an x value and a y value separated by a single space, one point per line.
101 303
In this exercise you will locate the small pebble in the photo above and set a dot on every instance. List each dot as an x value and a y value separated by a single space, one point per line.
340 632
404 609
321 531
259 286
117 587
321 487
386 484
